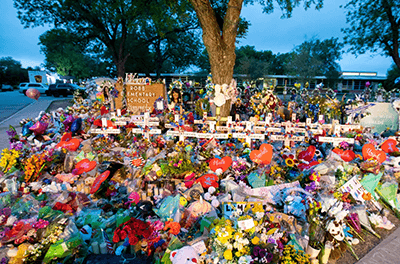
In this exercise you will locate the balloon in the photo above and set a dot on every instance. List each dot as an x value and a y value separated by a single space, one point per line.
39 128
33 93
347 155
98 181
25 129
223 163
208 180
389 146
84 165
307 154
262 156
76 125
68 121
369 151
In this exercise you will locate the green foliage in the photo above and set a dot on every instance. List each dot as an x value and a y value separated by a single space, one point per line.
392 74
373 26
286 6
66 55
316 58
117 29
11 72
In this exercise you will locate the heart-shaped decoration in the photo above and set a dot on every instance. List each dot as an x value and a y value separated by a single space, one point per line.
369 151
66 136
98 181
263 155
389 146
103 110
347 155
305 166
222 164
71 145
137 162
208 180
84 165
307 154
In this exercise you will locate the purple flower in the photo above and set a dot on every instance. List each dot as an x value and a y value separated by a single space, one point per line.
262 253
256 251
271 240
11 133
269 257
311 187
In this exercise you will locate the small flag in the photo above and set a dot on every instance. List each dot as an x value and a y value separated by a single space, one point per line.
107 241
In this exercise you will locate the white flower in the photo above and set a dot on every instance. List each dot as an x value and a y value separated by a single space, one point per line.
207 196
215 203
259 215
245 259
219 171
230 247
211 190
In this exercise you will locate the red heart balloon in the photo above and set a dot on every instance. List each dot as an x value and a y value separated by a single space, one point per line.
208 180
103 110
71 145
98 181
307 154
369 151
305 166
223 163
97 122
347 155
66 136
85 165
389 146
262 156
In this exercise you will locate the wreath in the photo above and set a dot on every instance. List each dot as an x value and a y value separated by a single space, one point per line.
202 105
164 104
330 93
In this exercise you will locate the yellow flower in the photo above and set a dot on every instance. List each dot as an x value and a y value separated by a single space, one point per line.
255 240
289 162
228 254
238 254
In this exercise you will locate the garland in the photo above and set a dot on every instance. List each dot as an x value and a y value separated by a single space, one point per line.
202 105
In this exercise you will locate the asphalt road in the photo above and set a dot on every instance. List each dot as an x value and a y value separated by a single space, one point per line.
12 102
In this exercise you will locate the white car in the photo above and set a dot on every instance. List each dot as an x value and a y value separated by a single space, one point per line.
42 88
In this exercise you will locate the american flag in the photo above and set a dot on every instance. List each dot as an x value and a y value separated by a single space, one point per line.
107 241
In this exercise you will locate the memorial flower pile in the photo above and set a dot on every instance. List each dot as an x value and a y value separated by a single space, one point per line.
168 187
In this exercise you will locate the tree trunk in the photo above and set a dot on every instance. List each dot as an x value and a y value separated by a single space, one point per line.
220 43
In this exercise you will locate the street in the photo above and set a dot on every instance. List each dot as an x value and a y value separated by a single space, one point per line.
15 106
12 102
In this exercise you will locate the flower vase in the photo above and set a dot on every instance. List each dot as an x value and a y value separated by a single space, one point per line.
312 252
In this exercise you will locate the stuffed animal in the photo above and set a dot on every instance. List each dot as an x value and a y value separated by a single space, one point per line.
185 255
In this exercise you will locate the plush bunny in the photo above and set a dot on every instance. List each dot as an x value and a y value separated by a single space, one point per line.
185 255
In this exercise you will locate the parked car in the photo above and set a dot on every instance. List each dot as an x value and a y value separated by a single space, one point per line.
42 88
63 89
6 87
21 86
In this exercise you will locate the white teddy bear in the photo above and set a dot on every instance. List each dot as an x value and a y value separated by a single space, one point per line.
185 255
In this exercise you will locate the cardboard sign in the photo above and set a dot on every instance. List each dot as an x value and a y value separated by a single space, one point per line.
382 116
141 98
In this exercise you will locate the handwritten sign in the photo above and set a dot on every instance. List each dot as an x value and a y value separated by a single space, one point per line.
141 98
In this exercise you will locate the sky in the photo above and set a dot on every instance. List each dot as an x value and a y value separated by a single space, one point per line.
267 32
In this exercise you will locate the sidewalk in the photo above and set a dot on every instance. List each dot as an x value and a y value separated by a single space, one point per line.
30 111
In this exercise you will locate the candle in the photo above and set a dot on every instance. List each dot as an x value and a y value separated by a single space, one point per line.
95 248
103 248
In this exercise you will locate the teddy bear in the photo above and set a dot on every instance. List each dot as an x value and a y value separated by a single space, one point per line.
185 255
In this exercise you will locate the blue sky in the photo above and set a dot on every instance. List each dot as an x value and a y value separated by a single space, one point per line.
267 32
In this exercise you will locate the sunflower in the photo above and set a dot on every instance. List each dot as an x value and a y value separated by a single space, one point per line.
289 162
180 144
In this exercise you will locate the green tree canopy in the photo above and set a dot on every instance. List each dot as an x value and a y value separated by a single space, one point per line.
316 58
373 25
106 23
11 71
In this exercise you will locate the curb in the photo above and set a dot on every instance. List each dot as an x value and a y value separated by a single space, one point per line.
11 116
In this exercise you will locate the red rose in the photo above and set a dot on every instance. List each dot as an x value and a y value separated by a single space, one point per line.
135 225
146 233
116 237
133 240
122 234
142 225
